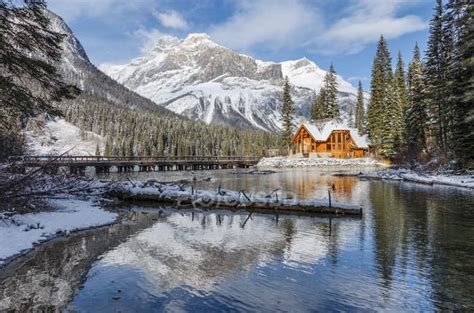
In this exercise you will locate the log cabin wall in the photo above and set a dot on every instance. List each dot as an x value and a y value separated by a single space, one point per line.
339 145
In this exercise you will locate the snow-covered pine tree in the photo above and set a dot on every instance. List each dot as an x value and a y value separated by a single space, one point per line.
350 116
435 74
381 76
400 80
392 121
459 18
109 147
287 114
360 111
318 111
416 117
330 99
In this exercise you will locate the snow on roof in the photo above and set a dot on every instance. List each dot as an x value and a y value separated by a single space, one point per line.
322 130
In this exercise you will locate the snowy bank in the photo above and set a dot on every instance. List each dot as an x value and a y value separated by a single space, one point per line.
21 232
464 181
56 136
282 162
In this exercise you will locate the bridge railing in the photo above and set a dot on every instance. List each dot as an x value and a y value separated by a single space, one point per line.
88 158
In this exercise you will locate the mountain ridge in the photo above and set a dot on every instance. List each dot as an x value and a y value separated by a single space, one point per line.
200 79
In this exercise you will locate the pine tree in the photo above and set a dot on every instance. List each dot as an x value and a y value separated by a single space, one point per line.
287 114
435 70
330 99
350 117
108 151
416 118
400 78
318 110
459 19
381 79
401 83
393 121
360 114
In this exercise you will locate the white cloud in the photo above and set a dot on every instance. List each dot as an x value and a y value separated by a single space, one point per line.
171 19
276 25
149 38
272 24
368 19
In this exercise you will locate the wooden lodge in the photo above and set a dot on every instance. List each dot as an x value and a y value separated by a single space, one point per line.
328 139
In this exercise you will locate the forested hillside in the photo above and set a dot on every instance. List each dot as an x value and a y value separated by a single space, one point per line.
149 133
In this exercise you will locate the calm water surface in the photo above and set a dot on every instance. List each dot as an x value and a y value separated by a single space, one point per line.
411 251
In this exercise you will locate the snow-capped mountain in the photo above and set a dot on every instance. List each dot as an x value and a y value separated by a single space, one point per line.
200 79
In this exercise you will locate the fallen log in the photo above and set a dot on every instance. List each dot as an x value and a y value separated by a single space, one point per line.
232 200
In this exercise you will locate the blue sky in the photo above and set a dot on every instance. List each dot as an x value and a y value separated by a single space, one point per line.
343 32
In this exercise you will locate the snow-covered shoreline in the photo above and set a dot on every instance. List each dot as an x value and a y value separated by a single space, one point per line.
463 181
283 162
22 232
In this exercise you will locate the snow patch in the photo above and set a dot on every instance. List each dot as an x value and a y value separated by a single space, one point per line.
57 136
283 162
21 232
464 181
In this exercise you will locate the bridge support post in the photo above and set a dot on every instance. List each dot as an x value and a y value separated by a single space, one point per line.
77 170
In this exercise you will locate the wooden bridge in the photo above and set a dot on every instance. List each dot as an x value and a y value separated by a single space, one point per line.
103 164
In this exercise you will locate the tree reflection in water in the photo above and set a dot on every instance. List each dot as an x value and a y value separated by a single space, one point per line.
412 250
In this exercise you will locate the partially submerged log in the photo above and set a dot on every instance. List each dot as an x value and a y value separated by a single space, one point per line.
234 200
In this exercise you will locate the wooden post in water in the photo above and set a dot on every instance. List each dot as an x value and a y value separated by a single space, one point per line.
329 193
330 225
248 217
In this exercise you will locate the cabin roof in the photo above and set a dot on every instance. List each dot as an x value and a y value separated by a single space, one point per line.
322 130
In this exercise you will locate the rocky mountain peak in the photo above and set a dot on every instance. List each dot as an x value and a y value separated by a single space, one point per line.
194 38
201 79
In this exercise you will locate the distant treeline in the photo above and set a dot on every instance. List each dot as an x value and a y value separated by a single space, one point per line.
141 132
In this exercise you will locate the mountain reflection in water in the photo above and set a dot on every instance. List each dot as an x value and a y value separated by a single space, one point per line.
411 251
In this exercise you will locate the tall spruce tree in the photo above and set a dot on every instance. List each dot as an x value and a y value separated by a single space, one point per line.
393 121
318 109
416 117
401 83
287 114
381 79
109 147
460 19
330 99
400 79
350 116
360 112
435 74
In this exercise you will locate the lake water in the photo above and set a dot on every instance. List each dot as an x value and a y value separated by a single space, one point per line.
411 251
